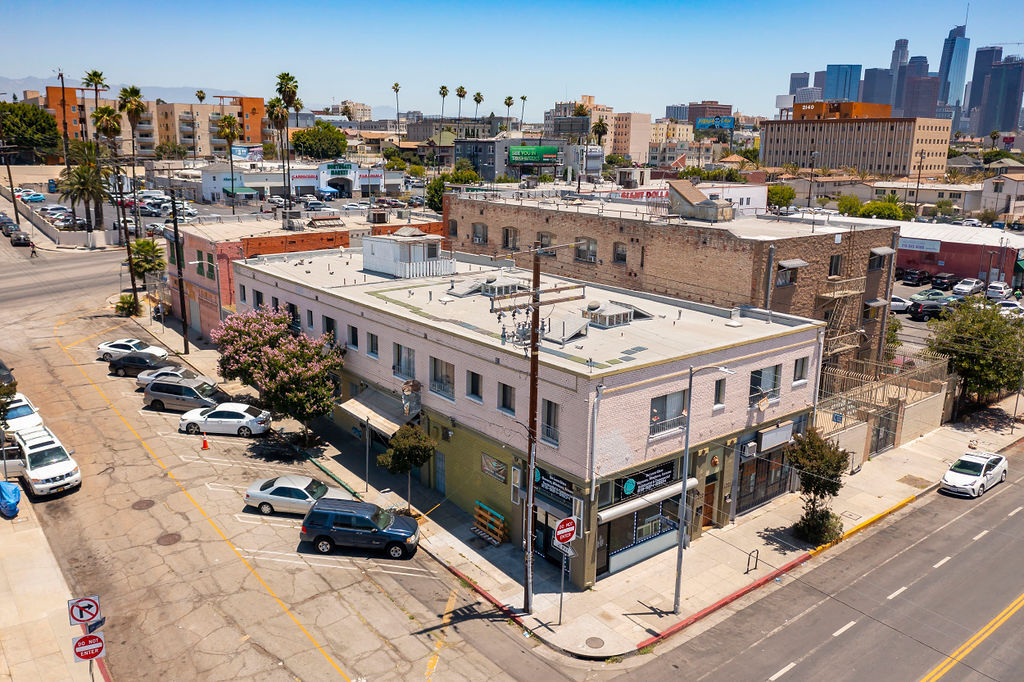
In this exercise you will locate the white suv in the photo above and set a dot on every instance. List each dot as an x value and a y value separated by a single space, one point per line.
41 462
997 291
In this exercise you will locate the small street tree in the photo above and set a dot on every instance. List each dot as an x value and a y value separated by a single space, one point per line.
849 204
821 464
781 195
410 448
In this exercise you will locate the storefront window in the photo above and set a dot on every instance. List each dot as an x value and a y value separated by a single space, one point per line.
649 522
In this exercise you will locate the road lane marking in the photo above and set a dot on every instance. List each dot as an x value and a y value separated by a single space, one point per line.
979 637
897 593
181 486
440 643
844 628
296 560
222 462
371 564
942 562
980 535
224 487
1015 511
782 672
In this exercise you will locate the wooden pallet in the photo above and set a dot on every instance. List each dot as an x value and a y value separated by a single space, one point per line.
489 524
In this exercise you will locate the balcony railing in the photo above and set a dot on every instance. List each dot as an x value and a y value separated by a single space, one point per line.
443 386
665 425
841 342
185 116
836 287
218 140
186 127
549 433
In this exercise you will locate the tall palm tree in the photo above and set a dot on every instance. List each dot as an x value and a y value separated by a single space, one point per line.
229 129
149 257
522 113
444 93
994 135
278 116
91 156
398 126
460 92
509 101
599 129
130 103
108 122
94 79
288 90
77 185
478 98
200 95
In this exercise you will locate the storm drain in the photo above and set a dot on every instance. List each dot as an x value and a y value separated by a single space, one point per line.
139 505
168 539
595 642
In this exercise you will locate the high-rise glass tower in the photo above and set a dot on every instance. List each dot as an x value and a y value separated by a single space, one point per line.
900 55
842 82
953 66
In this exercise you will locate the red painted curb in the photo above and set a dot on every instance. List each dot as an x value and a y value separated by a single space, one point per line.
724 601
484 593
101 663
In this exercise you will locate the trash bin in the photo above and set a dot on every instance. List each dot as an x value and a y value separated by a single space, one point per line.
10 496
51 186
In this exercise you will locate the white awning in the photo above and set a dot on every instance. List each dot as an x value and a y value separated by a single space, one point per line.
606 515
385 414
883 251
793 263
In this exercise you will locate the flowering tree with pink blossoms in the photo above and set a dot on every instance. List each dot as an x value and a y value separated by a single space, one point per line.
291 372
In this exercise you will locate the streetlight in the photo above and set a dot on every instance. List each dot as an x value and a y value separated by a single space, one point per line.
683 507
810 184
917 193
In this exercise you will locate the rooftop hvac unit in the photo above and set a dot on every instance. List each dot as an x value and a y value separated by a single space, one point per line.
377 216
292 214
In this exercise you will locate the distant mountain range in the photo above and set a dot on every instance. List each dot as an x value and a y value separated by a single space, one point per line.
183 93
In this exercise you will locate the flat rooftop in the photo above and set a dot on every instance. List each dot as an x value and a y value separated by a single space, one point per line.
233 228
944 232
662 329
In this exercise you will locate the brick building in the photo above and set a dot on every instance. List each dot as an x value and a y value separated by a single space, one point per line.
837 273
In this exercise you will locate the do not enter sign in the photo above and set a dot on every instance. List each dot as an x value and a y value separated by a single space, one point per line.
88 647
565 530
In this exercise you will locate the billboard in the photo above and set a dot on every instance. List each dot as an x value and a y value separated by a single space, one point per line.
244 152
704 123
544 155
925 245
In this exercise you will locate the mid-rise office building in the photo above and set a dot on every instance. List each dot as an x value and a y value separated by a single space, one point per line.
984 59
677 112
631 135
1002 96
900 55
877 86
921 96
842 82
708 108
805 95
819 80
798 80
357 111
671 131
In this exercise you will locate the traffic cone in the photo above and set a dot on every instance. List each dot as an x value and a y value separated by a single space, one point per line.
206 443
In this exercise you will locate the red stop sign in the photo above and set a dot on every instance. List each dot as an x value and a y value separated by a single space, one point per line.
565 530
88 646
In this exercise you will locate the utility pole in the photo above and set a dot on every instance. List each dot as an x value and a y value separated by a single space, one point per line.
179 255
7 150
917 192
810 183
64 120
527 335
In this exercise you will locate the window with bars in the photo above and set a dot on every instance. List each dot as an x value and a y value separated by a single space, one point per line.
668 412
442 378
405 362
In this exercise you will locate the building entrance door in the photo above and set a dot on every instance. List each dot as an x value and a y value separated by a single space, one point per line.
708 517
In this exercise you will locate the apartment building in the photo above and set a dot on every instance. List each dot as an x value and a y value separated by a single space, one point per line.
431 127
631 135
357 110
680 154
667 130
194 126
852 134
425 346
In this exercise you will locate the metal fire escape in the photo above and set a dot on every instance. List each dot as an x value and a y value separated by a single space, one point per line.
841 298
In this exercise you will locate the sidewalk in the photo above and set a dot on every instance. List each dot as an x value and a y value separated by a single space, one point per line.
633 608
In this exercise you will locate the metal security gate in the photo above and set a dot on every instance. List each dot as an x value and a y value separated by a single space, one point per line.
883 430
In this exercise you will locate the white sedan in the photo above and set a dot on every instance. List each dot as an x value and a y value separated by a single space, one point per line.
1010 307
899 305
290 493
226 418
966 287
146 377
111 350
22 414
974 473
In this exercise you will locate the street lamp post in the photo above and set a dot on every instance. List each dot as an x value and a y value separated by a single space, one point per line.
683 506
810 184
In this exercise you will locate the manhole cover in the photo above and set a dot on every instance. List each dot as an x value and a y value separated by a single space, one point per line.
142 504
595 642
168 539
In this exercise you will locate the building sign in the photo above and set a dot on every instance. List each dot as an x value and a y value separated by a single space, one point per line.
703 123
643 482
545 155
494 468
639 194
926 245
335 169
556 486
775 436
304 176
245 152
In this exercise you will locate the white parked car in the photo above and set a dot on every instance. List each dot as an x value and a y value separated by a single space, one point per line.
276 200
898 305
308 197
290 493
972 222
110 350
974 473
42 462
351 206
966 287
226 418
22 415
997 291
1010 307
146 377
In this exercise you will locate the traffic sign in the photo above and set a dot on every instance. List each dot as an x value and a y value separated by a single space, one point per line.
565 530
95 625
565 549
88 647
83 610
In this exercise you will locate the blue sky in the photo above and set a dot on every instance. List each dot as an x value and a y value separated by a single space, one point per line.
634 56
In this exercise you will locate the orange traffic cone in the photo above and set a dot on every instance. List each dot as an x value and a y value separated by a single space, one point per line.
206 443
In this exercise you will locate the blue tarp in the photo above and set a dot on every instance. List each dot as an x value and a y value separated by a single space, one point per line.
10 496
328 190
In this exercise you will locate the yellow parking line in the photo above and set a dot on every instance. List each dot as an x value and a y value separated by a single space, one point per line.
102 331
439 644
215 527
979 637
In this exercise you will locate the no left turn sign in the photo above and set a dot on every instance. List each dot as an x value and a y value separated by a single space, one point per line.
83 610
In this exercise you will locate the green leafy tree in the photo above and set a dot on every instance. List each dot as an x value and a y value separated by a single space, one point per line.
781 195
149 257
417 171
435 188
269 150
849 204
750 154
545 177
170 150
229 130
29 128
892 336
988 216
617 161
822 201
505 179
464 165
984 347
944 206
396 164
410 448
886 210
322 141
821 464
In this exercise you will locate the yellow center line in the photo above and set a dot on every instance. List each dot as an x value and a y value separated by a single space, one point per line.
979 637
209 520
91 336
439 644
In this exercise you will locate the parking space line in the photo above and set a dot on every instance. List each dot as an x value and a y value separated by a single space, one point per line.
440 643
1015 511
224 487
980 535
897 593
352 563
942 562
225 462
844 628
92 336
782 672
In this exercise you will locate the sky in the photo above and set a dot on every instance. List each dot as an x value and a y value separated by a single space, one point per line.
634 56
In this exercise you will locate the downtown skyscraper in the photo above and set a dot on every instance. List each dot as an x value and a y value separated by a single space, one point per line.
953 66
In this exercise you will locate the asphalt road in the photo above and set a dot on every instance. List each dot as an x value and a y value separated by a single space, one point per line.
194 584
894 606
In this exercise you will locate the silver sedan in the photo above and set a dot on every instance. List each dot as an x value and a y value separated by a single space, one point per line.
290 493
148 376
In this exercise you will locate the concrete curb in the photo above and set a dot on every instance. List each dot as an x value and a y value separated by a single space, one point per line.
334 478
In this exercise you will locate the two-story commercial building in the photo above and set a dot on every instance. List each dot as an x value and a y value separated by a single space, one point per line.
425 345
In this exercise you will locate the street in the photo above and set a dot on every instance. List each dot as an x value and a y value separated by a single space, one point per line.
195 585
941 580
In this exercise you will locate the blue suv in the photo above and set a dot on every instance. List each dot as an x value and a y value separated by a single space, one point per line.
331 523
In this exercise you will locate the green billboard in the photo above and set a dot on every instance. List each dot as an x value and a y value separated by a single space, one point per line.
536 155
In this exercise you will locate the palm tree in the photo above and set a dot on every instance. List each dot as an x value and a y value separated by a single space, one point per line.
444 93
398 126
509 101
580 110
957 135
522 112
200 95
478 98
76 184
108 123
288 91
955 176
94 79
460 92
599 129
790 169
994 135
278 115
130 103
90 157
149 257
229 130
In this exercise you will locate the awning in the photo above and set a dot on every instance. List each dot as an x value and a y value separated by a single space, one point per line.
1020 266
327 190
384 413
637 503
793 263
875 303
883 251
240 191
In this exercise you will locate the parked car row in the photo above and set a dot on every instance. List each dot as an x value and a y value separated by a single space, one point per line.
32 452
